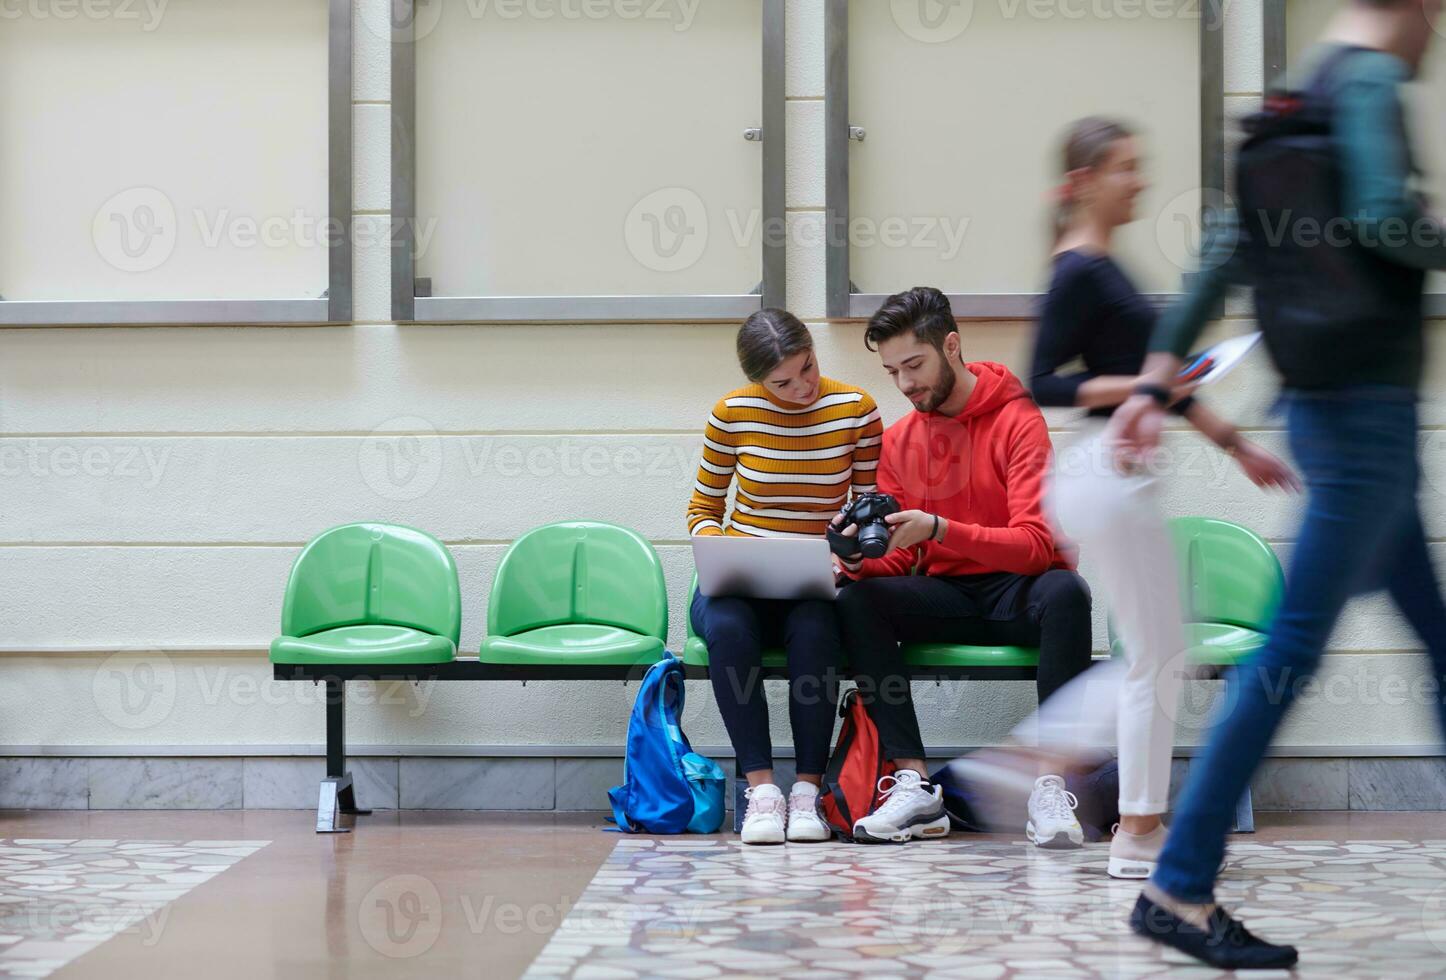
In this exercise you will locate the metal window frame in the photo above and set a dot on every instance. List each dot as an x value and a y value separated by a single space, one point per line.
1275 43
844 303
334 306
411 304
1273 50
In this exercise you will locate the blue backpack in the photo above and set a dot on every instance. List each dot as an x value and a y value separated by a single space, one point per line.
667 787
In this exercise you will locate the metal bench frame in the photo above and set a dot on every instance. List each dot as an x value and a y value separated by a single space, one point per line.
337 806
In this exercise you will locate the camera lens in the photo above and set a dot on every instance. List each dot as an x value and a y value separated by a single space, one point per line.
874 539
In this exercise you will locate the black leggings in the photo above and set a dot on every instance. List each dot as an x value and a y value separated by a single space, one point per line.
1050 611
737 630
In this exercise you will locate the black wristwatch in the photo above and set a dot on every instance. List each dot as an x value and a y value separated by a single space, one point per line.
1160 394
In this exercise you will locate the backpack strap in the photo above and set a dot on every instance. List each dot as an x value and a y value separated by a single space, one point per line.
670 708
651 687
617 797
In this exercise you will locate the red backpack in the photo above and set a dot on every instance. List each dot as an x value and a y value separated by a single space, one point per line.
851 785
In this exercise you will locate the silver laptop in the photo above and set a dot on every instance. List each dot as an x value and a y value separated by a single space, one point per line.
764 568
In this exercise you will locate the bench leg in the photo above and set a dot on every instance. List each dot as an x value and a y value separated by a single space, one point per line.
338 795
329 807
1245 814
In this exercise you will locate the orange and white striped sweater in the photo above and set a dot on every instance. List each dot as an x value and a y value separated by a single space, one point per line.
795 465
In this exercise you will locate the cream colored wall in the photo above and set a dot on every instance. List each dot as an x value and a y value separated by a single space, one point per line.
582 113
964 121
160 187
158 483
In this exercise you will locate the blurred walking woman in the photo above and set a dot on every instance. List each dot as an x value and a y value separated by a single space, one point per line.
1094 314
796 444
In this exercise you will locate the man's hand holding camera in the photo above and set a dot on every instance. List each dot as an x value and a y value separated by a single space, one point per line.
872 526
913 527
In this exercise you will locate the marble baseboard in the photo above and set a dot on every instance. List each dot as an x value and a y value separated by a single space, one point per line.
45 784
291 784
583 784
573 784
480 784
166 784
1397 784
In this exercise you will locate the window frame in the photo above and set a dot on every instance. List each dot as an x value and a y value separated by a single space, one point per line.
411 299
332 307
845 303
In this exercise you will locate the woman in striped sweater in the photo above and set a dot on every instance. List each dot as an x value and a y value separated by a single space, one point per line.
796 444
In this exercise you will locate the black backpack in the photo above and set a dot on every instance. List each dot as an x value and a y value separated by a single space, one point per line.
1333 312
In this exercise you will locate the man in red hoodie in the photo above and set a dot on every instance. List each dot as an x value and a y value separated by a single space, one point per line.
971 559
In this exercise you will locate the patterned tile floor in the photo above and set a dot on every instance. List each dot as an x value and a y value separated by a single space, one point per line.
62 898
979 908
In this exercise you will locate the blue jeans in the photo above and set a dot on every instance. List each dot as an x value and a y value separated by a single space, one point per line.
737 631
1356 449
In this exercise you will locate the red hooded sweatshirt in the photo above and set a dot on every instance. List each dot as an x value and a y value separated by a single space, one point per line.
984 472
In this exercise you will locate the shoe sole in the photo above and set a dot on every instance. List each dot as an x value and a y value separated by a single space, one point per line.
929 830
827 835
1130 870
765 841
1059 842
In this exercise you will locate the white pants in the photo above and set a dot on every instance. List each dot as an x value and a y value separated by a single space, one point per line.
1117 522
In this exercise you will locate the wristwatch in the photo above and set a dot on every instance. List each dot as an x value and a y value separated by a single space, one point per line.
1157 392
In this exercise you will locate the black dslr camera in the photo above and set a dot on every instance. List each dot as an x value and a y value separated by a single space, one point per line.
868 511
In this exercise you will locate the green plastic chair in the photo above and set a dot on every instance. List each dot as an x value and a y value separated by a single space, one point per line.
695 652
1231 584
371 594
926 655
577 594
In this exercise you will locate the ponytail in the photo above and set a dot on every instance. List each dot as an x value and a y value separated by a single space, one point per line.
1086 143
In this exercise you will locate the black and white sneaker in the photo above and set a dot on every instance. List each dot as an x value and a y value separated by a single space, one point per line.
912 808
1226 944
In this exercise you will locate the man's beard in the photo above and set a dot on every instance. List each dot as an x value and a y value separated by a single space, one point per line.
940 391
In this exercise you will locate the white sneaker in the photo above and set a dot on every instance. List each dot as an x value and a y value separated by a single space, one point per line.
1052 822
805 826
911 808
764 820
